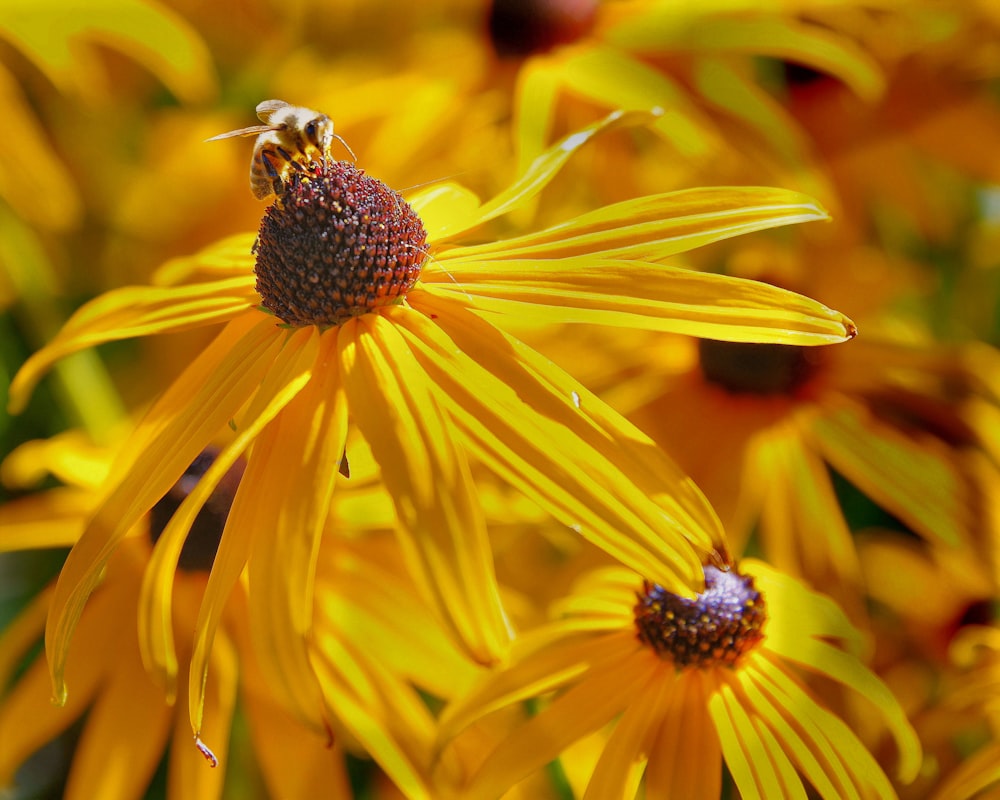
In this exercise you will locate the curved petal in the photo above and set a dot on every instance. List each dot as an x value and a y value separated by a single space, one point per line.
779 37
280 385
605 691
134 311
302 448
686 758
176 429
395 406
542 170
654 297
22 633
561 446
535 96
384 715
648 228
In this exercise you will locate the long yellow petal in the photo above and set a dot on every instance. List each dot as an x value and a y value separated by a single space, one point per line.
648 228
546 443
281 384
134 311
304 447
176 429
653 297
445 535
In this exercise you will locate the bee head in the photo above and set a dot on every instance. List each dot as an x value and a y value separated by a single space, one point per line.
319 132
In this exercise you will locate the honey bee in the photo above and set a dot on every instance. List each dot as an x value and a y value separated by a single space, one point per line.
290 136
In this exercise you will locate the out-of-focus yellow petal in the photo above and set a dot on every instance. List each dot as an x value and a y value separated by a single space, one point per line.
975 774
55 518
914 479
212 389
135 311
527 433
53 34
606 691
71 457
779 37
617 80
649 228
303 448
288 375
536 96
231 257
426 473
544 168
649 296
34 182
107 763
685 760
22 633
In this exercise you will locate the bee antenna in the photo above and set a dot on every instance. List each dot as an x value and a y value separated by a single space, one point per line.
347 147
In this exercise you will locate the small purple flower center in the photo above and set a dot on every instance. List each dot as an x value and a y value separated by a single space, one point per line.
716 628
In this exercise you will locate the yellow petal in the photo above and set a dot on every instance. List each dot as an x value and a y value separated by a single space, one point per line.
744 752
543 169
231 257
445 535
914 478
55 37
288 375
648 228
623 761
22 633
606 691
792 40
385 716
125 732
441 204
176 429
134 311
686 759
302 449
55 518
648 296
536 95
561 446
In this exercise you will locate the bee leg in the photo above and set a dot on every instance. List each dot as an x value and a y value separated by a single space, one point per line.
266 156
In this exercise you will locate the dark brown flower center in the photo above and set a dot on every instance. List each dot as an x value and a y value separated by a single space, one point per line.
716 628
335 244
764 369
198 553
524 27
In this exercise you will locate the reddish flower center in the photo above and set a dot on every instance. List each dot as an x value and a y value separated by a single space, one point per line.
198 553
716 628
763 369
524 27
335 244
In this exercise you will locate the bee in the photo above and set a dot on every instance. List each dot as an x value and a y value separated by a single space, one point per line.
290 136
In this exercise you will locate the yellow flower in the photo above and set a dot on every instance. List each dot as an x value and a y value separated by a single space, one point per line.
344 324
691 683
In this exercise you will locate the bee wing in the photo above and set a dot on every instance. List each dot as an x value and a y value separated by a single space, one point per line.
265 108
251 131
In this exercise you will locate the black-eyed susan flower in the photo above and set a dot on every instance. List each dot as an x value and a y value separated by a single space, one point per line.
362 312
690 683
